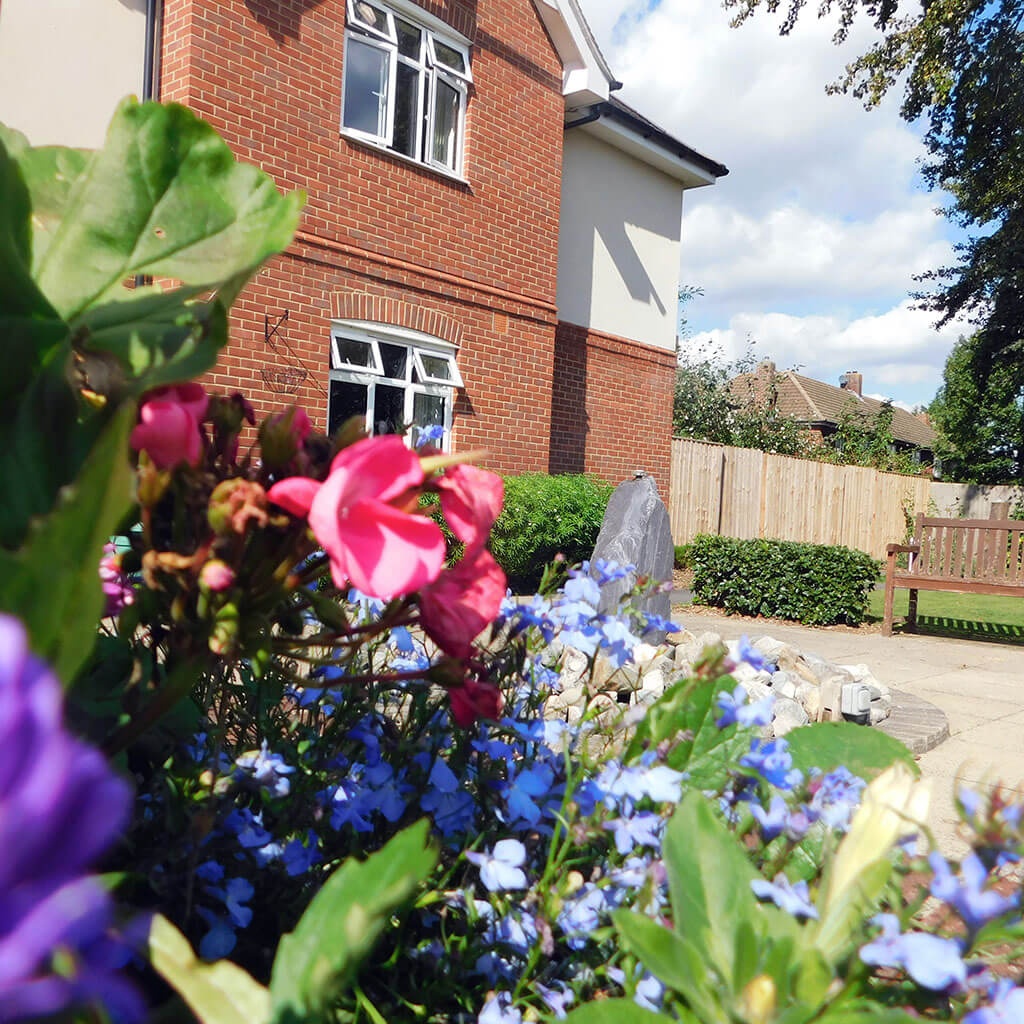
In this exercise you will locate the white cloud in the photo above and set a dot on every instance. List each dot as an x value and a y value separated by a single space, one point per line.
793 254
898 351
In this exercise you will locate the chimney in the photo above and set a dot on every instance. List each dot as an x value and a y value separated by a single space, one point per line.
852 381
766 369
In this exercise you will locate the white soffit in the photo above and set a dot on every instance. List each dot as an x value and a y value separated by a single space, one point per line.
632 142
583 79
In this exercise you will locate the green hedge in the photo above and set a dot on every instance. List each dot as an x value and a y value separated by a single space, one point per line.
810 583
542 517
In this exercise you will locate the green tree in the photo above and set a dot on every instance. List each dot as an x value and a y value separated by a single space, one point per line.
705 407
962 62
981 426
862 439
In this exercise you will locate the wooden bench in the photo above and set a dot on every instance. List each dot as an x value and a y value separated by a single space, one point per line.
970 556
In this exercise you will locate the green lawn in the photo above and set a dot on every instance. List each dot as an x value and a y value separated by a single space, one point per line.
979 616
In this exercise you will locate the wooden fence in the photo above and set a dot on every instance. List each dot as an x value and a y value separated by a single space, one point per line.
740 492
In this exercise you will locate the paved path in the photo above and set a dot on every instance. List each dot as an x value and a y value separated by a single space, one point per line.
979 685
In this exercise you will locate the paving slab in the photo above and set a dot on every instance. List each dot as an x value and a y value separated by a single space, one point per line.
979 685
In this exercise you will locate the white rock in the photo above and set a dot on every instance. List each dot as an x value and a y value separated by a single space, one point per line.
757 691
644 654
770 647
570 696
744 673
878 712
783 685
787 715
809 695
653 682
575 666
705 640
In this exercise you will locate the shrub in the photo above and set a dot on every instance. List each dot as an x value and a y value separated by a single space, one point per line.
812 583
542 517
683 556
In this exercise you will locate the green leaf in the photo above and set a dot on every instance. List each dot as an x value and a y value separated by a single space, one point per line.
340 926
709 878
218 993
870 1013
164 197
866 752
814 976
685 715
672 959
614 1011
51 583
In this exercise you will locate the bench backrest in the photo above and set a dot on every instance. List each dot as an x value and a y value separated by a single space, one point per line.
969 549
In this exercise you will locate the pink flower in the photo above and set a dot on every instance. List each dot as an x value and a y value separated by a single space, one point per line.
168 428
471 499
115 584
474 700
460 603
377 547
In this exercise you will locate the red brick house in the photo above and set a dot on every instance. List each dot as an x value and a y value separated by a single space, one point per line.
490 243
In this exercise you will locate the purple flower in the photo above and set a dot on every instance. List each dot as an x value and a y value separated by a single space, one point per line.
580 915
268 769
773 762
933 962
794 899
1006 1005
582 588
658 623
499 1010
837 797
298 857
644 829
736 710
607 571
773 820
976 905
502 869
557 999
618 642
60 808
747 652
116 584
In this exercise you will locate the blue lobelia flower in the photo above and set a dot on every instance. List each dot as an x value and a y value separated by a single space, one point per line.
450 806
794 899
582 588
61 807
618 642
518 931
558 998
747 652
235 893
658 623
836 798
499 1010
268 769
502 869
773 762
976 905
773 820
644 828
933 962
605 570
248 828
736 710
299 857
220 940
1005 1005
581 914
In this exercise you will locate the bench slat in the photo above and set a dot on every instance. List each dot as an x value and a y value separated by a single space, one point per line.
1014 573
946 565
908 581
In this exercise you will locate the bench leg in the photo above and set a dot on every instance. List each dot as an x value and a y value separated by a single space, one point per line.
890 592
912 611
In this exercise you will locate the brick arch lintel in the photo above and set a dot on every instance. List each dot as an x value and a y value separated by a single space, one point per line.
396 312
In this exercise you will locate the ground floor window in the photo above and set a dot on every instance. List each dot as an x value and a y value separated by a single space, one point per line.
401 382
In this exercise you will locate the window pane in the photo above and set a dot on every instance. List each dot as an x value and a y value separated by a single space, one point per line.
346 400
389 410
428 410
410 39
395 358
446 121
436 366
366 88
354 353
407 110
449 56
372 16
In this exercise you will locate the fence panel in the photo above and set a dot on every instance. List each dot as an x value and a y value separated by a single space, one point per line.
740 492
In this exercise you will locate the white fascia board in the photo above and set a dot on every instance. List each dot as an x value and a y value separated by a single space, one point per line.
583 81
689 174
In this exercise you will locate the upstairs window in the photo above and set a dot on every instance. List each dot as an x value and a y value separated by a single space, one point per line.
404 85
399 385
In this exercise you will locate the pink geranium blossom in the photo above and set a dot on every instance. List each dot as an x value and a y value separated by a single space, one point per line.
471 500
474 700
460 603
168 428
379 548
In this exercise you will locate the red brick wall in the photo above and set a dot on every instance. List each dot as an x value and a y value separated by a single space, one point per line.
611 406
267 75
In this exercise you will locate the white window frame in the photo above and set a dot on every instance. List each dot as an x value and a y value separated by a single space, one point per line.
389 102
430 71
416 343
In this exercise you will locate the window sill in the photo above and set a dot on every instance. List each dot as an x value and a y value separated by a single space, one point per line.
394 154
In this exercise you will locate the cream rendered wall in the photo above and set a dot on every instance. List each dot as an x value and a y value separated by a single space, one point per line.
65 65
618 245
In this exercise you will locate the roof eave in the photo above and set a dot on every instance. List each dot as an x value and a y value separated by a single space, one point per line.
586 77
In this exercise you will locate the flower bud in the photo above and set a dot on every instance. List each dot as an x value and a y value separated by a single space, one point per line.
235 502
224 638
758 999
216 575
282 435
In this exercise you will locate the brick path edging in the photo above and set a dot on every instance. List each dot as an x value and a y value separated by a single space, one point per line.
918 723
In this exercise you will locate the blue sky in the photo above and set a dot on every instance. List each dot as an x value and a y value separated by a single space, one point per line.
811 243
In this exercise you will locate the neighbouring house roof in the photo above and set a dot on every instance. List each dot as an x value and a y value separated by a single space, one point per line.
815 402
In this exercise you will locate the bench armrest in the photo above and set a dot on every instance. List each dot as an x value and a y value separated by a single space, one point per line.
913 549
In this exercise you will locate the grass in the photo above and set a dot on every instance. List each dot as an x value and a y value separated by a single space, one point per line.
970 616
